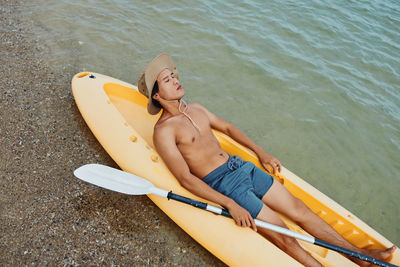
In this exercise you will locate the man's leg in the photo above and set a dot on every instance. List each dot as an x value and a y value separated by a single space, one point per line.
278 198
287 244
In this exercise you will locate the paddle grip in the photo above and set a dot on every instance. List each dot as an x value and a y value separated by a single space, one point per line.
353 253
186 200
226 213
198 204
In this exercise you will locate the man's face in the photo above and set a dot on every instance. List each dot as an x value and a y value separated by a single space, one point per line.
169 86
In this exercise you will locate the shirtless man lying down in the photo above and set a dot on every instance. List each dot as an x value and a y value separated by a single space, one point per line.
184 140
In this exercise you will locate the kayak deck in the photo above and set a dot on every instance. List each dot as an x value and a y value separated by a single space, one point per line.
131 105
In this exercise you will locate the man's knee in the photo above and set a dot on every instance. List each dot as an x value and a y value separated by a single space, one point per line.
299 211
285 242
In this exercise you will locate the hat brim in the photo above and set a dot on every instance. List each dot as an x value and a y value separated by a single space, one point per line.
157 65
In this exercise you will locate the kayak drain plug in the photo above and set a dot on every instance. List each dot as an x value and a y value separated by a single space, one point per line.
92 76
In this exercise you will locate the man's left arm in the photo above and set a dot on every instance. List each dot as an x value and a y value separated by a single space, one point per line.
227 128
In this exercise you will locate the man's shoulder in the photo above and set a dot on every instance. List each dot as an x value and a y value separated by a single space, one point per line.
166 126
201 109
196 105
198 108
162 125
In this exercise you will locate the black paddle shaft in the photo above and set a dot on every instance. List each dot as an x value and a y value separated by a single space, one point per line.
195 203
353 253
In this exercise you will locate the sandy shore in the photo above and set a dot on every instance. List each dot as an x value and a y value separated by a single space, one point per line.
48 217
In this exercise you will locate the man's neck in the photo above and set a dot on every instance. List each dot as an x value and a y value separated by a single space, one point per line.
170 108
178 107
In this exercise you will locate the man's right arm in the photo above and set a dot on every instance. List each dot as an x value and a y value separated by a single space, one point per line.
164 141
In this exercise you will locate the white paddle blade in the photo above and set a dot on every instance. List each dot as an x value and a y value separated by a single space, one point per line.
113 179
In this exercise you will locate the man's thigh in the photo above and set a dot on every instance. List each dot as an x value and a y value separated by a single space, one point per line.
268 215
281 200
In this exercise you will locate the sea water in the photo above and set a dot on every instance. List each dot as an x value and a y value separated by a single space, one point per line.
315 83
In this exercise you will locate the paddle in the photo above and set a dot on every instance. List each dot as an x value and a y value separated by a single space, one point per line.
127 183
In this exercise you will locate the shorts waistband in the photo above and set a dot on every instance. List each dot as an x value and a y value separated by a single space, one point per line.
232 164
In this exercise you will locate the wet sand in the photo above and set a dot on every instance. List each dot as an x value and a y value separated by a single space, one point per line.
48 217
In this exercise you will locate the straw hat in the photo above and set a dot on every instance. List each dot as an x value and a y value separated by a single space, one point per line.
149 76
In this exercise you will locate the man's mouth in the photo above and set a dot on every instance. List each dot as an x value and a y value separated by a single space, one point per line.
179 87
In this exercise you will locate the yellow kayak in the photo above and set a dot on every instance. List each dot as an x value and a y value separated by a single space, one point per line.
116 114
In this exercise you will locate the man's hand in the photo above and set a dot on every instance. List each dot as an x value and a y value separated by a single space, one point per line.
268 160
241 216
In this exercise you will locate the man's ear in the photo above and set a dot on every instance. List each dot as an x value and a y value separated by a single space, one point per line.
156 96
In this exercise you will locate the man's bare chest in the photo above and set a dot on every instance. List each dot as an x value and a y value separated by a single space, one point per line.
188 134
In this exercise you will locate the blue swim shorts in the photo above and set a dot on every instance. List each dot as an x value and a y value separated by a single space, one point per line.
242 181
